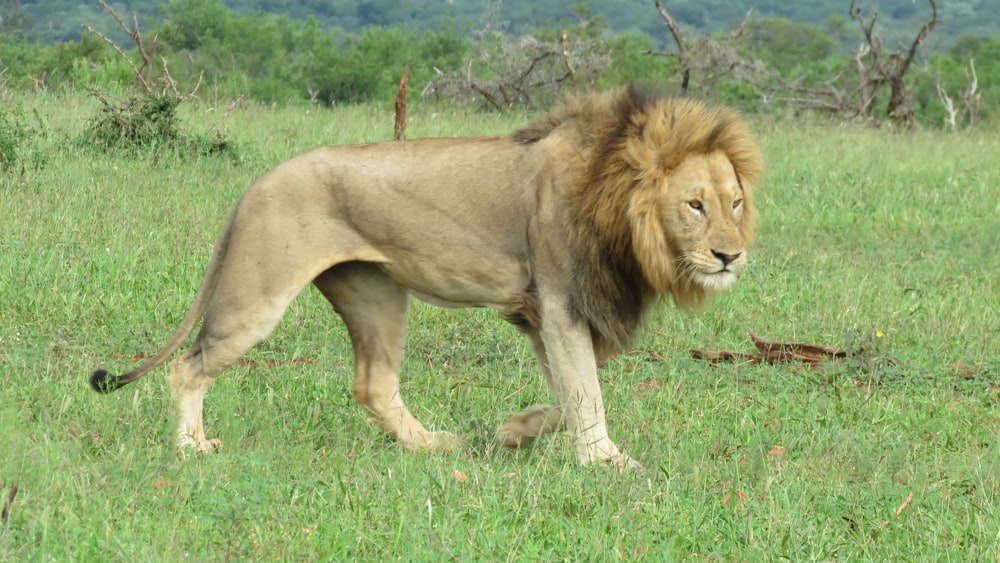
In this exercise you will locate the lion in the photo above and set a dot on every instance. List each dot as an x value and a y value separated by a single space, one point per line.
572 228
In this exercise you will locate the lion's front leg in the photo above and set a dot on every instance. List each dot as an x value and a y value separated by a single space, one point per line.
566 352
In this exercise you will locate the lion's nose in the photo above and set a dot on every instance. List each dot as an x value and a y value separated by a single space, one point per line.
727 259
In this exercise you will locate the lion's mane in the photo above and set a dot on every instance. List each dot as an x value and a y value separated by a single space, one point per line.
630 143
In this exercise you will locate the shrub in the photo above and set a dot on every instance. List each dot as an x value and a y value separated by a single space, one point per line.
19 149
146 122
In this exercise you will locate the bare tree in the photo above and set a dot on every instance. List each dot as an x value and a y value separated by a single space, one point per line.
971 98
517 71
506 71
683 53
972 95
858 95
878 69
709 58
949 107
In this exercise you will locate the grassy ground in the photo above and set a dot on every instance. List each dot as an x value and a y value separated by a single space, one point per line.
865 233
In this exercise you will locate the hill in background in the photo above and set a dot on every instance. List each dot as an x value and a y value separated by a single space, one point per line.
53 21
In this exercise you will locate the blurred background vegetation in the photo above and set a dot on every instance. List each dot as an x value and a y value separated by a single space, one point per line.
511 53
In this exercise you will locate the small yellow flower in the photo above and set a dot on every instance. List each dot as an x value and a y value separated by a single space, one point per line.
879 334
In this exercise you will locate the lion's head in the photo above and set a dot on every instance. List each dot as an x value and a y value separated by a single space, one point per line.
662 204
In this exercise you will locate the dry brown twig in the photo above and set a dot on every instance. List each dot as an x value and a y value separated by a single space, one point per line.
902 507
399 128
118 49
238 102
5 513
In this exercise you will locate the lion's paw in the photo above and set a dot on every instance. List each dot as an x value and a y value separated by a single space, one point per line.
191 444
522 428
617 461
434 441
624 464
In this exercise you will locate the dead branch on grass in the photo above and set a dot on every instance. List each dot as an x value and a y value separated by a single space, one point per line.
772 353
902 507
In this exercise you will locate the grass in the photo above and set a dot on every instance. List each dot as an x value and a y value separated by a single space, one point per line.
863 231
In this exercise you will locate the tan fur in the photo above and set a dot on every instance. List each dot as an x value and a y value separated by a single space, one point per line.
571 227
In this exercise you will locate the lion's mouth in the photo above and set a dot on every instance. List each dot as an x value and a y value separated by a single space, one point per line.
717 281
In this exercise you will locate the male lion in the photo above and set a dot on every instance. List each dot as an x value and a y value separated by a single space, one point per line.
571 227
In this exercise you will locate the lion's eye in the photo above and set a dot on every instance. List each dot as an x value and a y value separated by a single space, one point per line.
696 205
737 204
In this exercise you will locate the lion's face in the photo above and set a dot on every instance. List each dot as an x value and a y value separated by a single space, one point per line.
704 211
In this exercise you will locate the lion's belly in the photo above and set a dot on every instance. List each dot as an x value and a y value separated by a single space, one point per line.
438 302
490 281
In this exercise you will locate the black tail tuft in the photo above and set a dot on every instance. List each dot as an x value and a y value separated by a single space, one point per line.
104 382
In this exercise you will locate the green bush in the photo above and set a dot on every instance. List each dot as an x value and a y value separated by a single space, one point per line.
19 148
136 122
146 122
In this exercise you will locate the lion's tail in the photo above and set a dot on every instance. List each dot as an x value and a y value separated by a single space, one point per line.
104 382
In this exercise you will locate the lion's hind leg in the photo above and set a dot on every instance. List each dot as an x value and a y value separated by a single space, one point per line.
244 310
373 306
189 385
230 329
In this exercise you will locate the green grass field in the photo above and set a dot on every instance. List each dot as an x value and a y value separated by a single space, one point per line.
864 233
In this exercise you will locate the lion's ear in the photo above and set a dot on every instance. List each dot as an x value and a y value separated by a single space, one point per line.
649 240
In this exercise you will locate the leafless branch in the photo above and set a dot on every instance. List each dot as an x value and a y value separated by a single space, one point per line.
238 102
520 69
970 98
877 69
566 57
146 86
949 108
972 95
486 95
145 73
682 47
875 72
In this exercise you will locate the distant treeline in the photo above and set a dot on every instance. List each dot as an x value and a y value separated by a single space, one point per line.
56 21
243 48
